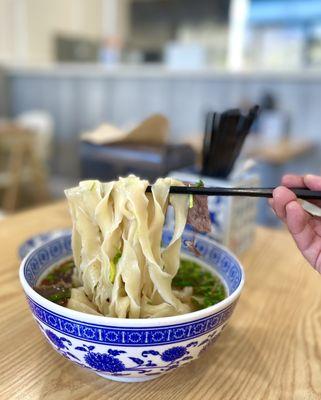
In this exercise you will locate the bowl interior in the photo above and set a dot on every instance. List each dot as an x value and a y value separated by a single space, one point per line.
212 254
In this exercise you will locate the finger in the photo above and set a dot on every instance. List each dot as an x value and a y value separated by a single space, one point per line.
281 197
297 221
293 181
313 182
299 224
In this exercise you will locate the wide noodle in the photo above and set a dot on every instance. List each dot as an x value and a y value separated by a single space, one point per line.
123 268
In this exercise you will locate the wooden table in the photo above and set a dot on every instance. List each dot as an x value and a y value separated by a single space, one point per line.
270 350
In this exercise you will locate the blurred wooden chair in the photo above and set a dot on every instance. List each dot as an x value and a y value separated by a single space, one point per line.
20 165
41 124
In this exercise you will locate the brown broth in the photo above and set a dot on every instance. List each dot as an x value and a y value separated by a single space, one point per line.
56 285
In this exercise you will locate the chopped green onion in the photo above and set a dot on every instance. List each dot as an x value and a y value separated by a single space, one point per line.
62 295
112 270
51 277
67 267
199 183
207 288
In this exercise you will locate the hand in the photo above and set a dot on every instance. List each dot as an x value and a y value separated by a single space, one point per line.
305 228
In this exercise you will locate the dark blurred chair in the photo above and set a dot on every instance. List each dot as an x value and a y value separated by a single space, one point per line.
149 162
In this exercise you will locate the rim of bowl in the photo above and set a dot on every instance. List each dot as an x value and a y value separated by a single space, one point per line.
49 235
130 322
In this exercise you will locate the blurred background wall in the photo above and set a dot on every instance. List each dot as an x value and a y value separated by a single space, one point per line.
28 28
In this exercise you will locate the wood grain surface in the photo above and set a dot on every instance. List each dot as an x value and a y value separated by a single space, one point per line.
270 350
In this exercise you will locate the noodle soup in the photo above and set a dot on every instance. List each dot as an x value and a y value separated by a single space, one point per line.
125 349
193 284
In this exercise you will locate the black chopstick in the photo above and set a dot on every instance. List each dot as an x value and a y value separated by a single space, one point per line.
207 141
243 130
228 142
304 194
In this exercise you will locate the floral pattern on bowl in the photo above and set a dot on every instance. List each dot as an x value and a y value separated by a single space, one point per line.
150 362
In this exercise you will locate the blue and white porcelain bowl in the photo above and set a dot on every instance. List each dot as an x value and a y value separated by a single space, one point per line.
131 350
